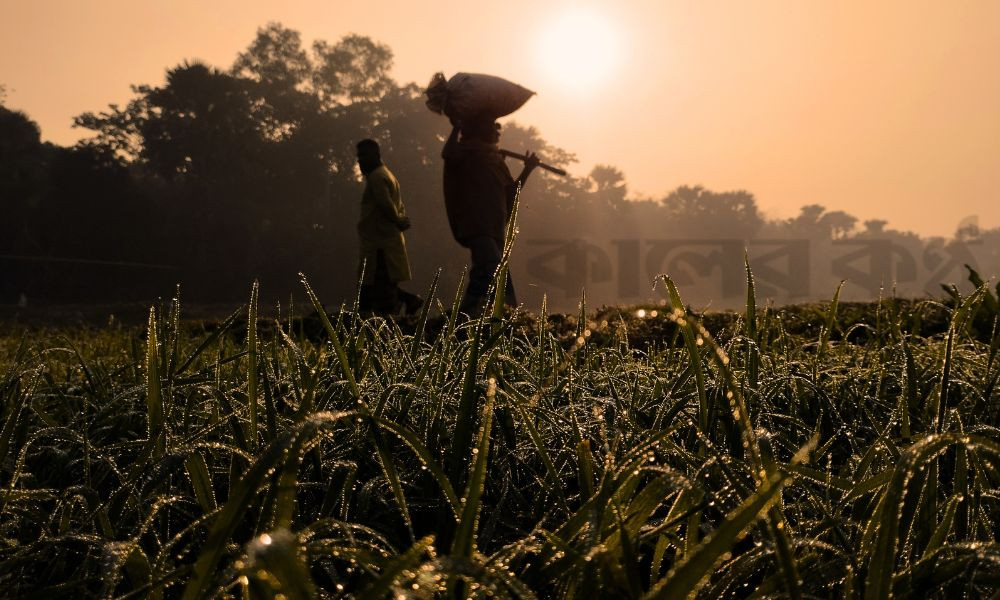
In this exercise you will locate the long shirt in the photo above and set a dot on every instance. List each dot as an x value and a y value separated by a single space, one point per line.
382 211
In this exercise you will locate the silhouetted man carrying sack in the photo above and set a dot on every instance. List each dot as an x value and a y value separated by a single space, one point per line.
479 197
380 234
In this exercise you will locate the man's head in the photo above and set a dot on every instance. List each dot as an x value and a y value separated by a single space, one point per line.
369 155
482 130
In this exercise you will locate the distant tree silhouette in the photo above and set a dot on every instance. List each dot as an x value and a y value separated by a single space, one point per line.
201 128
23 180
355 69
609 185
875 227
837 223
275 58
815 222
698 211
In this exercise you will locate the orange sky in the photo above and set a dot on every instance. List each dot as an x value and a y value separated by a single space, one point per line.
884 109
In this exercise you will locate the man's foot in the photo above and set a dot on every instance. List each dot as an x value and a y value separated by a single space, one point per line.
473 306
412 304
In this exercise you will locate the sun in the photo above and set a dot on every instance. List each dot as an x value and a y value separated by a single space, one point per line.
580 50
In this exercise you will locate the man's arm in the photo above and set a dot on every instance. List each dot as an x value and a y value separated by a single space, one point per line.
383 202
531 161
450 150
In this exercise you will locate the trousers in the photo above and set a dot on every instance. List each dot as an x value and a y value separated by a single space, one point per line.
486 253
384 296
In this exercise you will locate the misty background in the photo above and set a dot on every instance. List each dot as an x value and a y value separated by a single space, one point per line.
226 174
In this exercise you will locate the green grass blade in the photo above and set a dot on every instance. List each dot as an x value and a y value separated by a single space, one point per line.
464 543
345 365
242 494
691 341
418 334
944 527
406 562
154 390
684 580
883 526
252 366
831 322
467 404
753 357
201 481
426 459
13 422
212 338
500 277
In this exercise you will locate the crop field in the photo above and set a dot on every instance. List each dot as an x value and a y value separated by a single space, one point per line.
822 451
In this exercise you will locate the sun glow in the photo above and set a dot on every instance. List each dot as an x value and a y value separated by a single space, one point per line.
580 50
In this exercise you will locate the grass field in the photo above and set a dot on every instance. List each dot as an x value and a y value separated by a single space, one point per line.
815 451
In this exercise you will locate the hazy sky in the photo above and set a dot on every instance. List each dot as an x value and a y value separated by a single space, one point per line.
887 109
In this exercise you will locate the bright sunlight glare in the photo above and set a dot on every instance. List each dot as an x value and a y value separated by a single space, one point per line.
580 50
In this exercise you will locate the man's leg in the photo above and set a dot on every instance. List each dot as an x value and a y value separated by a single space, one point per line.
385 300
509 298
411 302
366 298
486 253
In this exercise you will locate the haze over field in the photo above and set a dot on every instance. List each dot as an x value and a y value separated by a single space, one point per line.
884 111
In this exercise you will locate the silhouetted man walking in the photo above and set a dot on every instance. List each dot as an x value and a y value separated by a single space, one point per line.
380 234
479 197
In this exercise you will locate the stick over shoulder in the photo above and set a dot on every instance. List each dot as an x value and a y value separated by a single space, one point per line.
522 157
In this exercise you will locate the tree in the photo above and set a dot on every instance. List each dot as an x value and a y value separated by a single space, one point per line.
201 125
355 69
23 178
837 223
608 185
875 227
814 222
274 58
117 130
696 210
808 217
252 170
22 156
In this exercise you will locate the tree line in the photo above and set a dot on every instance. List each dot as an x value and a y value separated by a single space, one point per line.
221 176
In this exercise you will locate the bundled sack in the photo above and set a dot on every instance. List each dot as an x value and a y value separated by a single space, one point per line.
469 95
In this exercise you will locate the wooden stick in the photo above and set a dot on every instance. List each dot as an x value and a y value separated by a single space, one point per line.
522 157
